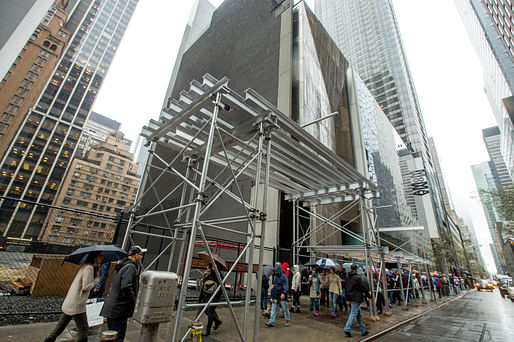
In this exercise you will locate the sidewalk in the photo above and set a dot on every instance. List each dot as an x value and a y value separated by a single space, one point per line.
304 326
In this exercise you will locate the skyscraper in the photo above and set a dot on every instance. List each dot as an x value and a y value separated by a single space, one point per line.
368 35
39 155
492 140
490 25
485 184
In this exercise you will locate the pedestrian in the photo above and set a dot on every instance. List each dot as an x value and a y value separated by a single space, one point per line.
121 301
415 286
264 292
324 288
380 294
209 285
279 290
98 290
342 299
356 286
314 291
335 290
74 305
296 288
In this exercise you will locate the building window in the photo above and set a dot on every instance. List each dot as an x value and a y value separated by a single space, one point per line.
70 192
7 117
32 75
40 60
94 206
108 166
68 240
102 225
37 68
76 174
91 178
59 219
111 159
75 221
27 83
61 34
82 203
4 126
52 238
66 200
85 194
13 108
121 203
45 53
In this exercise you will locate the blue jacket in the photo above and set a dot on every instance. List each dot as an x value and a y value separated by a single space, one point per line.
280 284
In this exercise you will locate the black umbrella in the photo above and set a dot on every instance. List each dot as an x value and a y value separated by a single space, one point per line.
110 253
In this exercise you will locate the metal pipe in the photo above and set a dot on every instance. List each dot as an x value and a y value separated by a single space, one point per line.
199 198
364 224
262 240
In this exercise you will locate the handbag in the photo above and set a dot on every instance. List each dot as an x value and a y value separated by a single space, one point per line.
93 309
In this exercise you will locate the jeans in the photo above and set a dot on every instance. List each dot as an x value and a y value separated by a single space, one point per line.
296 298
334 297
355 312
264 299
274 305
119 325
314 304
80 321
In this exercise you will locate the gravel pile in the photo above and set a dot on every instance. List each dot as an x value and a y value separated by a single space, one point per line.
30 309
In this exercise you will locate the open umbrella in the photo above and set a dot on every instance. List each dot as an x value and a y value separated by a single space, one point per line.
205 256
110 253
267 270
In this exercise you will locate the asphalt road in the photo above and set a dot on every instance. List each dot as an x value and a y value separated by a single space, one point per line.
479 316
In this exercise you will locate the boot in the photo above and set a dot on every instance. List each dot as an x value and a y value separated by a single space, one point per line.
298 309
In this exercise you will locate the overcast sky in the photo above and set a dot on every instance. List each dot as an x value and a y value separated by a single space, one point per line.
446 72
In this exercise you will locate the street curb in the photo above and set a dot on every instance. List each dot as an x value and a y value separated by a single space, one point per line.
408 320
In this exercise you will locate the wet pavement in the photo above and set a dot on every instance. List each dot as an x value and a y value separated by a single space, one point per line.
304 326
479 316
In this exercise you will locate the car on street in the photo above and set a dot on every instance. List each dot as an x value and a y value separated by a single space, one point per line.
485 285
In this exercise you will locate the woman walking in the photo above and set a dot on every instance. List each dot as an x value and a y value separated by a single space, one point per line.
296 288
324 288
74 305
210 284
315 292
335 290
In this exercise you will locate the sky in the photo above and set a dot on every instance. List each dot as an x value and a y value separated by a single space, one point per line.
446 72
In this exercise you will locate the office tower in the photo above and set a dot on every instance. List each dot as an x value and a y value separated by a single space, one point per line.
302 72
19 20
30 71
40 153
490 26
97 129
496 259
492 139
103 183
485 183
439 175
368 35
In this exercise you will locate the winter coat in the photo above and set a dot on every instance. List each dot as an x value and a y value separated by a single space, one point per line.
314 284
204 296
334 284
76 298
284 267
296 284
121 301
356 285
265 282
280 284
415 284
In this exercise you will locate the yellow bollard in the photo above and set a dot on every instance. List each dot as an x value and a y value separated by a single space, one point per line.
196 331
109 336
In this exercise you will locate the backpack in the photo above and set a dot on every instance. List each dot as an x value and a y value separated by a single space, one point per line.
209 287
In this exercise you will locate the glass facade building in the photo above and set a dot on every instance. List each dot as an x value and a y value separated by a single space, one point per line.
39 155
490 26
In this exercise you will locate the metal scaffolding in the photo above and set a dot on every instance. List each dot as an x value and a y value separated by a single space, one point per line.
218 138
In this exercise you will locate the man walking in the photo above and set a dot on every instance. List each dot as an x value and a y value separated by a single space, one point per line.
121 301
279 291
356 285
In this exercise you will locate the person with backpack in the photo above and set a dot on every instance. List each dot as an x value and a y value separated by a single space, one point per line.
356 287
209 285
279 291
